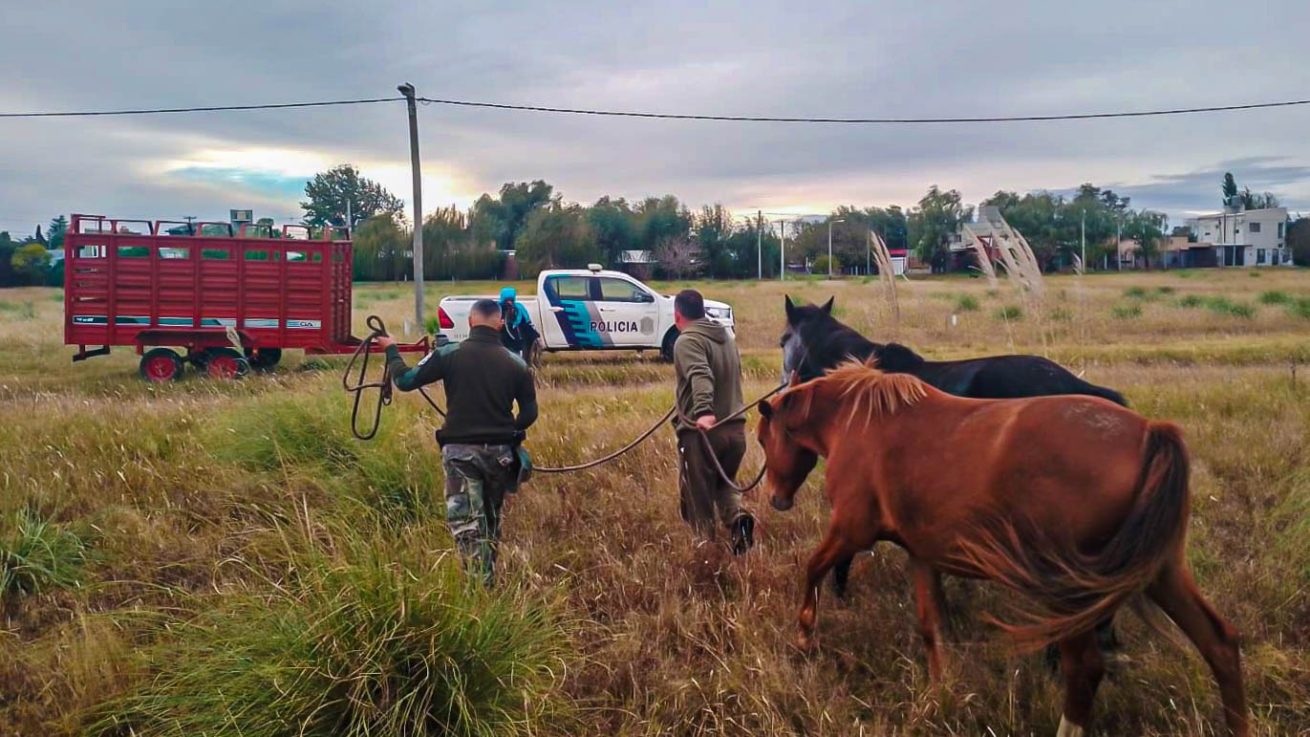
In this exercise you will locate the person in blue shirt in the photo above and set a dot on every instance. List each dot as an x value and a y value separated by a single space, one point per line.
519 335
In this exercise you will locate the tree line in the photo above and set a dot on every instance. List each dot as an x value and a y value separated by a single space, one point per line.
533 220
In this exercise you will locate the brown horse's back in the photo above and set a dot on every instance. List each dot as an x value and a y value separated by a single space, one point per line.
1067 464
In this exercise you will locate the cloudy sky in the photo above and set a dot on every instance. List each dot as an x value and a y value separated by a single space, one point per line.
759 58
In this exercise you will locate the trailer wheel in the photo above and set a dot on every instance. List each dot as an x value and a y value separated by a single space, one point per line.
666 348
225 363
263 359
161 365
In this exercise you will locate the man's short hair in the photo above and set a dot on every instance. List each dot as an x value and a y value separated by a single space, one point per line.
690 304
485 309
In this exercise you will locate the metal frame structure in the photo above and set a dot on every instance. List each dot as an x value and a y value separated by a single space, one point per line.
231 301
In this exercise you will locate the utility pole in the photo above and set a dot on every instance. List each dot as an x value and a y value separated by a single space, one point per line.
830 222
1118 242
759 243
868 252
1082 229
350 220
782 250
407 90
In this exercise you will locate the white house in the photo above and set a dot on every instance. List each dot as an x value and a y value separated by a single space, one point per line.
1245 237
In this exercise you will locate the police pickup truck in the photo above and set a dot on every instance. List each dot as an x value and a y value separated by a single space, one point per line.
586 310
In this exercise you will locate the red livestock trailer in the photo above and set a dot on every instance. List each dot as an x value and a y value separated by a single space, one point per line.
132 283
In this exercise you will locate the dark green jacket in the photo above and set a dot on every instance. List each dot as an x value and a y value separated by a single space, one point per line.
482 381
708 368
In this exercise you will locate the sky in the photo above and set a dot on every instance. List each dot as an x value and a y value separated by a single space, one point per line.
908 59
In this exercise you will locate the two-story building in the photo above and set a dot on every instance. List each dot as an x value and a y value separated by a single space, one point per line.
1245 237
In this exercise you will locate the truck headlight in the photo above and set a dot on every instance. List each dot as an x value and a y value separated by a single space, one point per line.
719 313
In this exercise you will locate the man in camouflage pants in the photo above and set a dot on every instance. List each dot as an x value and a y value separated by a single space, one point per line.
480 438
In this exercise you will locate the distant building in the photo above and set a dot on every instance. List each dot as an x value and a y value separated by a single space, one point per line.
1244 237
638 264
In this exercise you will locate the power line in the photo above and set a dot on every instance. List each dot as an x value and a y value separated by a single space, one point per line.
674 116
887 121
208 109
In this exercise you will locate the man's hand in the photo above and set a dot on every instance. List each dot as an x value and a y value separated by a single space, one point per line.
705 422
384 342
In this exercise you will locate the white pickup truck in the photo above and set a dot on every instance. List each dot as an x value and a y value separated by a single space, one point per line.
587 310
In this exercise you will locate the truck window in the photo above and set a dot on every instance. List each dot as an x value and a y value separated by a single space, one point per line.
620 290
570 287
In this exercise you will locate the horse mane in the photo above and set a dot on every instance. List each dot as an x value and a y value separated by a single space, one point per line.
874 393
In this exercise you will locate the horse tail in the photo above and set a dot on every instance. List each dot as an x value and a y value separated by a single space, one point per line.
1074 591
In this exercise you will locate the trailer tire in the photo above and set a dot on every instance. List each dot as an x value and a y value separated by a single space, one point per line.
225 363
160 366
263 360
666 348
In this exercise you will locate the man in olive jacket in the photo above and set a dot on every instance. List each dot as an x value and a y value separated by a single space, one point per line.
483 381
708 370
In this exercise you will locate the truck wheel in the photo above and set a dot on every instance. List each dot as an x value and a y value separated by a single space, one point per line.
161 365
666 348
225 363
263 359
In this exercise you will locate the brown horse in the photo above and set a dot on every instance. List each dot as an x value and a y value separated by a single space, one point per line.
1073 501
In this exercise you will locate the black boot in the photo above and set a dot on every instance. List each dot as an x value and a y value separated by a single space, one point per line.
743 534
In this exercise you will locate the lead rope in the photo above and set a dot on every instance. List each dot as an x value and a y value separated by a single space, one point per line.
361 383
384 388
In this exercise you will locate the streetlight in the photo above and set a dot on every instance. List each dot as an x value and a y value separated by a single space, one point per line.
830 222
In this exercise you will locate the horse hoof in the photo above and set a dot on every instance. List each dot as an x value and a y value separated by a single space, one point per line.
805 643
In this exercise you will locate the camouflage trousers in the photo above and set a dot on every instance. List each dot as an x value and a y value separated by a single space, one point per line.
477 479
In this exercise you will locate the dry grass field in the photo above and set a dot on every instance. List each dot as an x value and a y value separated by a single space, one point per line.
224 558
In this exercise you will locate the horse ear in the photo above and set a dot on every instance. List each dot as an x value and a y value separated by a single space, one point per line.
766 409
827 306
791 309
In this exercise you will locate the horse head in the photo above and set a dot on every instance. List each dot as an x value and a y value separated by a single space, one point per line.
800 318
787 462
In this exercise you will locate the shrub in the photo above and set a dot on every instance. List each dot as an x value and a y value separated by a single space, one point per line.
966 303
382 642
1009 312
1300 308
1225 306
36 555
1127 312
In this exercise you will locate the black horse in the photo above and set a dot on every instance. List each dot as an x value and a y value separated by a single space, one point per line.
815 341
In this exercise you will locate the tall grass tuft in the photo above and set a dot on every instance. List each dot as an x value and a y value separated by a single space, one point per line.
1300 308
36 555
1127 312
377 640
1009 312
1225 306
1275 297
966 303
390 474
1191 300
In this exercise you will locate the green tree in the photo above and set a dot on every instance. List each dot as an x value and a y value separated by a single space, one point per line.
615 227
502 218
454 252
55 233
1147 228
381 250
1229 190
713 228
1298 239
555 237
659 219
30 263
932 223
7 248
330 191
